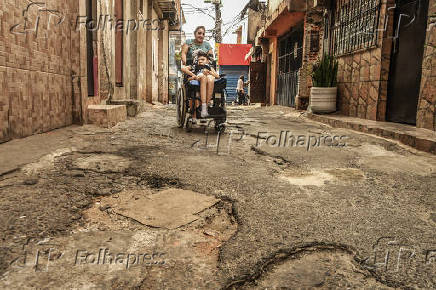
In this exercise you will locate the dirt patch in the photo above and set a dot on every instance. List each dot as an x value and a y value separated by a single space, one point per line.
102 163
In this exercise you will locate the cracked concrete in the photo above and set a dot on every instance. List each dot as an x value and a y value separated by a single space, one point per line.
285 216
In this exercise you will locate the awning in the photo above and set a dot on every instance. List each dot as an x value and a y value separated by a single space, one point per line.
234 54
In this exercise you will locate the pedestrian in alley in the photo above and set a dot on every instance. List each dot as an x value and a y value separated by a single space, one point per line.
242 98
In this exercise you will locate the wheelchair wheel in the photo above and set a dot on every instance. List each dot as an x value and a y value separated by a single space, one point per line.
181 107
189 125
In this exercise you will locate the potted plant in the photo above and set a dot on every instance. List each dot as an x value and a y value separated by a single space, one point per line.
324 90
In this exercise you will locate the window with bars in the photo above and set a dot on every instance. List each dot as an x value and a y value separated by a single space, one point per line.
314 41
354 25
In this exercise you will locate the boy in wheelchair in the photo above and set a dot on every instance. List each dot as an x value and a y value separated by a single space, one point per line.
197 71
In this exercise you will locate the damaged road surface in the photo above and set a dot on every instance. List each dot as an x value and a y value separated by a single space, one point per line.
146 205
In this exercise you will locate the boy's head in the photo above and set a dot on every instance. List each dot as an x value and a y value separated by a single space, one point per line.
202 58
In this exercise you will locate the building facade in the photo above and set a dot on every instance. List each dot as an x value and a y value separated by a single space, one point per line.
289 43
373 41
385 72
58 57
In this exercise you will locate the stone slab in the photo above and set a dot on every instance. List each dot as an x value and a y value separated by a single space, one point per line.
171 208
132 106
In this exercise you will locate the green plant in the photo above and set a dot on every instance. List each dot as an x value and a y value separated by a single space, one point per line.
178 55
325 72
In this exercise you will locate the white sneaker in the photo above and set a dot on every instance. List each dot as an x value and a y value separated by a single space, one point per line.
204 114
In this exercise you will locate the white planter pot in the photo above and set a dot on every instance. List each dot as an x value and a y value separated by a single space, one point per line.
323 100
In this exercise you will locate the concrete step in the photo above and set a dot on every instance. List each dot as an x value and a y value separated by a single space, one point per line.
106 116
131 105
421 139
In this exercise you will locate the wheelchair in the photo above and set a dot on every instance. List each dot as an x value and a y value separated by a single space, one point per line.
186 98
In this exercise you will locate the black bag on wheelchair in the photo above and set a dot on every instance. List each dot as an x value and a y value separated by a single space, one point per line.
220 84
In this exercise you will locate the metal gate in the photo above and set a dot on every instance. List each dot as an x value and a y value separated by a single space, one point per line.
287 89
290 60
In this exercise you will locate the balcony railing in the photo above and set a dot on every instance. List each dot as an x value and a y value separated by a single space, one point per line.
170 10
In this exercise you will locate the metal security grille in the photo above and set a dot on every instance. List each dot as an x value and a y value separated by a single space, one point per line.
355 25
290 60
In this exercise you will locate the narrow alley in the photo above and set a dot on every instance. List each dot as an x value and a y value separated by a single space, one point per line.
265 215
217 144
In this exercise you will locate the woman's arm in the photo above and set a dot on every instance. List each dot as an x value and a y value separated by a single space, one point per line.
185 49
186 70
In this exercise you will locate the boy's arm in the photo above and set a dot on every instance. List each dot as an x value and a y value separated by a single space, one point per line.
214 73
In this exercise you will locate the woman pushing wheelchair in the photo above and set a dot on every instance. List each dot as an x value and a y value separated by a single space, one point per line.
196 54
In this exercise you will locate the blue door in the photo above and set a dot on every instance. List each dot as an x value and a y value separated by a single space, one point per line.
233 72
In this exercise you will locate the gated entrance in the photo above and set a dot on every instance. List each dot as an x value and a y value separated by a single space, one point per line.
257 82
405 73
290 57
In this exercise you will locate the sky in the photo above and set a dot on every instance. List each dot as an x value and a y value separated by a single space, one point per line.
229 10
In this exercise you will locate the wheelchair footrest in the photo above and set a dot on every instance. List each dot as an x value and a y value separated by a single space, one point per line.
214 113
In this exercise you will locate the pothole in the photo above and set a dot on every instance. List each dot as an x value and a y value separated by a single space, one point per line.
320 178
110 250
306 179
45 162
102 163
332 269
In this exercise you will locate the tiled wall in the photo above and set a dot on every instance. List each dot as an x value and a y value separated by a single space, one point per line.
35 69
363 75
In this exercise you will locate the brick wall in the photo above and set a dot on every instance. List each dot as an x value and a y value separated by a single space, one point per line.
35 69
312 22
426 115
